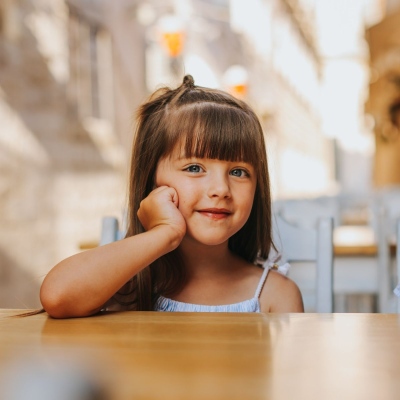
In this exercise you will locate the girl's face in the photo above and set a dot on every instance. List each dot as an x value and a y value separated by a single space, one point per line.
215 196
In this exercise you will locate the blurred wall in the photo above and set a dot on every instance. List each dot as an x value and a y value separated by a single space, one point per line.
66 104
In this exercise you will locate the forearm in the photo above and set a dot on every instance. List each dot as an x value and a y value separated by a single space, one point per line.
80 285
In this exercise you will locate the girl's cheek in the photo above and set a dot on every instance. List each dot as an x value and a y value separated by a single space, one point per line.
160 181
161 173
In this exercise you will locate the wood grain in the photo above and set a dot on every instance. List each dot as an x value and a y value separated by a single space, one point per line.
148 355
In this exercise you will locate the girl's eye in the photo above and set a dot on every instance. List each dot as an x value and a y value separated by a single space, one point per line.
194 168
240 173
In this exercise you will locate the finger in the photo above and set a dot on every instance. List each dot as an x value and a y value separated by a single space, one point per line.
175 197
159 189
171 191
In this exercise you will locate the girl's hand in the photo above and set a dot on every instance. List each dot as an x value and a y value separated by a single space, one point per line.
160 208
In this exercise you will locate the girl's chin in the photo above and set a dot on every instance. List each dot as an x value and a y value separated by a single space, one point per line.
207 241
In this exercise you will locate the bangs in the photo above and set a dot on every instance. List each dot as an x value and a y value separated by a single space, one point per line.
216 131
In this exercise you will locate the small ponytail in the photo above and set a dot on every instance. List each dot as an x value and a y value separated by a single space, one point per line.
188 82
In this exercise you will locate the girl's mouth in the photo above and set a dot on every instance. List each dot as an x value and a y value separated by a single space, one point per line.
215 213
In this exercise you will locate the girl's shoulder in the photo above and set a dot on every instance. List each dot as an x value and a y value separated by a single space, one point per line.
280 294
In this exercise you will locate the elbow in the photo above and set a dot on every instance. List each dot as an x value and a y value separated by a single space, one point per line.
51 304
59 304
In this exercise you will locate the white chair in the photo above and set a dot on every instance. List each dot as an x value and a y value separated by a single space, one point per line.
356 208
388 212
110 231
307 212
398 263
298 244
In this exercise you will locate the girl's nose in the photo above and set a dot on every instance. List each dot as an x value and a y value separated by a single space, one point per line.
219 187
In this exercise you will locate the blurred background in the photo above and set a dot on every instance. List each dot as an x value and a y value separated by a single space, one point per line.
323 76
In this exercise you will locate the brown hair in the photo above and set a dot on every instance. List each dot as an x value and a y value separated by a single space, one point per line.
212 124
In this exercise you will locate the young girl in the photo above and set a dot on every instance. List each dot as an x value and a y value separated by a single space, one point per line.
199 218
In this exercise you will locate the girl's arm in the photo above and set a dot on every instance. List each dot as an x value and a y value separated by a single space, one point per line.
80 285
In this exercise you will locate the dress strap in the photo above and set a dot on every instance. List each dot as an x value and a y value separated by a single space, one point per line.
261 283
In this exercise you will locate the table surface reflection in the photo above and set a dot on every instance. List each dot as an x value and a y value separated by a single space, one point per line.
148 355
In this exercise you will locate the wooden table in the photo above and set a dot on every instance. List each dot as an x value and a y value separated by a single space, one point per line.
148 355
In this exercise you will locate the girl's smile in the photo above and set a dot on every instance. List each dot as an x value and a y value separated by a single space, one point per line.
215 213
215 196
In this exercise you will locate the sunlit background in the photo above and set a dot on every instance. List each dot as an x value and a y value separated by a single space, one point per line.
322 76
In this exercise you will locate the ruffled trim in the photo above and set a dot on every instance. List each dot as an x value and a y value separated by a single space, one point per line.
164 304
282 269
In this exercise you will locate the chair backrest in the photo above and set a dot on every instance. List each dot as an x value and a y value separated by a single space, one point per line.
305 244
387 209
398 260
307 212
110 231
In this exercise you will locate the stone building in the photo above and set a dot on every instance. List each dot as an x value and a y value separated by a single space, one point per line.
275 42
286 93
73 72
67 96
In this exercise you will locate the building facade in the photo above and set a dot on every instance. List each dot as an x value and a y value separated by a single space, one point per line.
66 113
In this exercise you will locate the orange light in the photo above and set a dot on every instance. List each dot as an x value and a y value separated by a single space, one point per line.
171 30
239 90
173 43
236 81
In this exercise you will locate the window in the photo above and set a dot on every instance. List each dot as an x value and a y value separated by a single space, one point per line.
91 68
